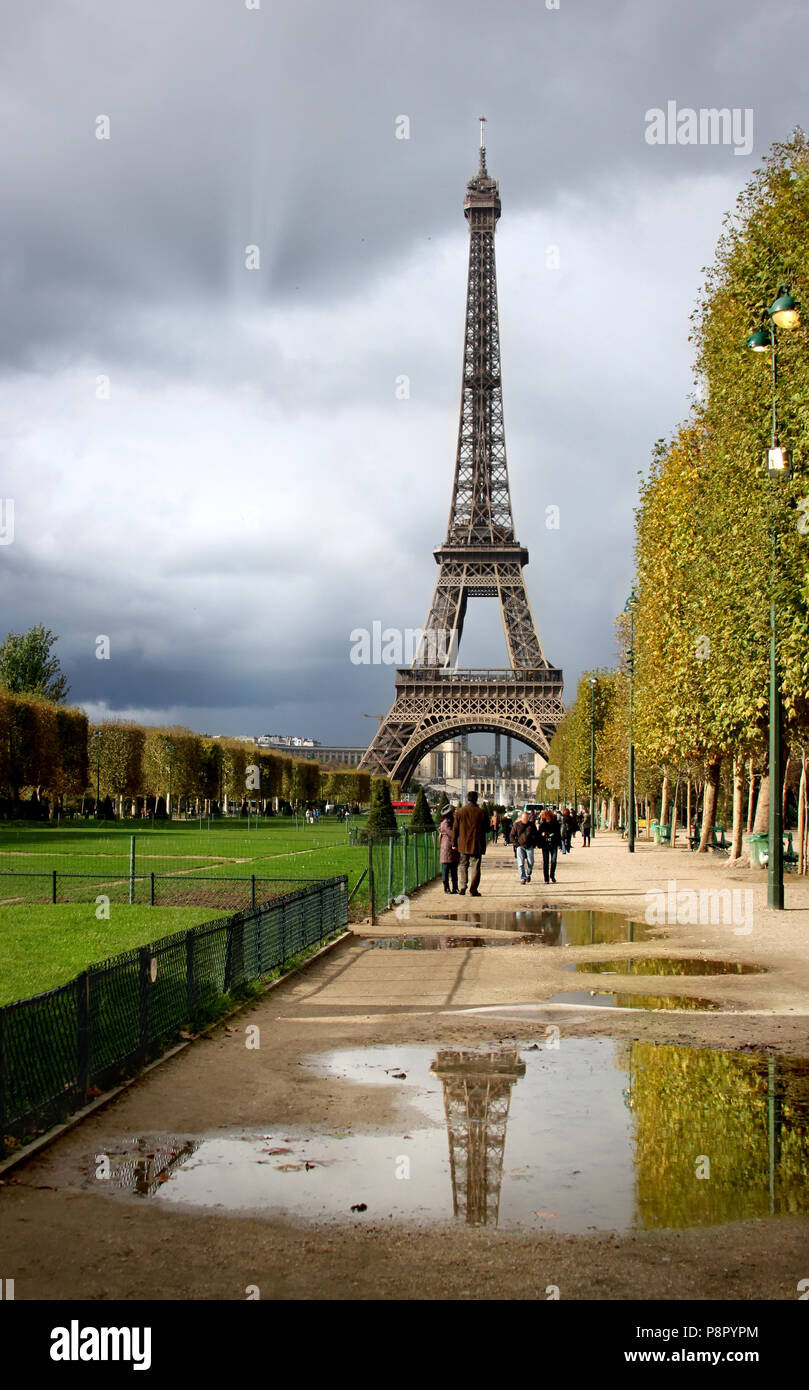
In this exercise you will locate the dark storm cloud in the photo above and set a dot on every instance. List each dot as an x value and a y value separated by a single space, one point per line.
276 127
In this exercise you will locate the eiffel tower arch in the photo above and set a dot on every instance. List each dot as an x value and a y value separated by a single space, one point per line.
480 558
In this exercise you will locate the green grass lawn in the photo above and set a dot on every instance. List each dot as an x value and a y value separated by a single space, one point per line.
42 946
271 849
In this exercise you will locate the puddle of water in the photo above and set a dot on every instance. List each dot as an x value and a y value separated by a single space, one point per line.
666 965
553 926
444 943
605 1000
584 1134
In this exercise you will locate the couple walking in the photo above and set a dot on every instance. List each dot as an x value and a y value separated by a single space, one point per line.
527 835
462 836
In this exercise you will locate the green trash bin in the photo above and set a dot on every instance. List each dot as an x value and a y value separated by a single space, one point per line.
655 828
759 846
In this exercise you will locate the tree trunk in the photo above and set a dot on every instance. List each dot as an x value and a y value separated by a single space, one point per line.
785 792
761 824
802 816
712 769
688 805
738 807
673 839
612 823
648 820
664 802
751 799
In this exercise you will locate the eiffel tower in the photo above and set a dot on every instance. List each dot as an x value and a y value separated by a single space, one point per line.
480 558
477 1095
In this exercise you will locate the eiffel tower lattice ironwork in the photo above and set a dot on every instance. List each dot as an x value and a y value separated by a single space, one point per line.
480 558
477 1095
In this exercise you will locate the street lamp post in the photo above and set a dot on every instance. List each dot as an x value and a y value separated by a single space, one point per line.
629 607
783 313
592 683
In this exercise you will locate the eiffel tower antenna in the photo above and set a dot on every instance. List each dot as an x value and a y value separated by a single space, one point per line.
480 557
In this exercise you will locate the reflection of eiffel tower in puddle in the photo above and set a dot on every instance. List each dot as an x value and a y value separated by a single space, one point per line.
144 1168
477 1092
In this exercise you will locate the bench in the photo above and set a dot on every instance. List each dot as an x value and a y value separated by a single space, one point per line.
759 846
717 840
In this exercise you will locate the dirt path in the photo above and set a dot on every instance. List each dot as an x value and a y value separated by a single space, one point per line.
62 1239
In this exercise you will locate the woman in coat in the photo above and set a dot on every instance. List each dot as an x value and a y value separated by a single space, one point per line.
549 839
449 855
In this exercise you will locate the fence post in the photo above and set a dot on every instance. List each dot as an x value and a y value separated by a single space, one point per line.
228 957
151 889
252 890
390 872
53 886
189 972
83 1033
371 881
2 1087
404 863
132 868
143 999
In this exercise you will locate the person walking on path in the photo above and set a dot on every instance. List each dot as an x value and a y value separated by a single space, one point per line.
495 827
469 838
449 855
585 829
524 839
505 826
568 829
550 838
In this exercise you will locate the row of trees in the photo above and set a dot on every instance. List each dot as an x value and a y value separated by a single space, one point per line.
697 631
50 751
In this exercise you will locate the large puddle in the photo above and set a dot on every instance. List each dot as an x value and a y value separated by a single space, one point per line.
555 926
604 999
666 965
571 1135
444 943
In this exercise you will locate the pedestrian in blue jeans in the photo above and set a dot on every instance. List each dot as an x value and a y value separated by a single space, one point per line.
524 839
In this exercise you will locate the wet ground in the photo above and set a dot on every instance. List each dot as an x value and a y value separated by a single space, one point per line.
603 999
666 965
590 1135
557 926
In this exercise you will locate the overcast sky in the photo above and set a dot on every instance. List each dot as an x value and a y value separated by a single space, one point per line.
248 488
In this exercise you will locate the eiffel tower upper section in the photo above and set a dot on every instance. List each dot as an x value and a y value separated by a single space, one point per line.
480 557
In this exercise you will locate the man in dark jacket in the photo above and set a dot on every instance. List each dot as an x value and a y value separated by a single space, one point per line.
469 838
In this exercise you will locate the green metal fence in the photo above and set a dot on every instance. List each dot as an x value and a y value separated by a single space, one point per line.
56 1047
228 891
399 864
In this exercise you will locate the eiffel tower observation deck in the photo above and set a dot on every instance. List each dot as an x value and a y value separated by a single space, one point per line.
480 558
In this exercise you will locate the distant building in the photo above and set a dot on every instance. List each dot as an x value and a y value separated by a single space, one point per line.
310 749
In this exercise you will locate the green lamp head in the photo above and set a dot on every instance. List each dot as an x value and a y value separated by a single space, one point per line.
759 341
784 312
